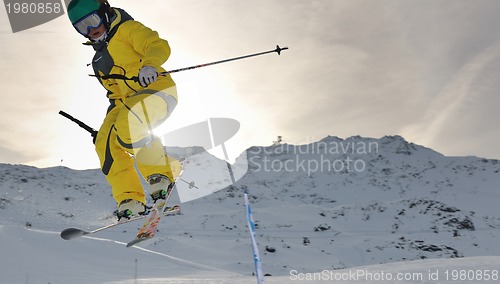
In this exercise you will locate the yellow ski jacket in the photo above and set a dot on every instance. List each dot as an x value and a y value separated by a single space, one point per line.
130 46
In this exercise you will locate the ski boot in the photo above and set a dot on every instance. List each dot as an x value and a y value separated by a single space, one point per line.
130 208
161 189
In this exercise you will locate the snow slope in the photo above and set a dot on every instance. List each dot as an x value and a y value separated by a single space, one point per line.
332 205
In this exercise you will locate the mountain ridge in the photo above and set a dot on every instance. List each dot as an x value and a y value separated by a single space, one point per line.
343 205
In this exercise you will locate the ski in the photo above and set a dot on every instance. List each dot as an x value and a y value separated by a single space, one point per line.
73 233
148 229
152 218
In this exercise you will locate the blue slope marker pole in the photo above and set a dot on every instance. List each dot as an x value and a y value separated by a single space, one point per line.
251 226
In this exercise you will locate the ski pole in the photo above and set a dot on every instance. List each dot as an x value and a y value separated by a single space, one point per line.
278 50
91 130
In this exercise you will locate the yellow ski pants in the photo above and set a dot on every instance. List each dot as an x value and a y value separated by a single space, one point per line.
127 133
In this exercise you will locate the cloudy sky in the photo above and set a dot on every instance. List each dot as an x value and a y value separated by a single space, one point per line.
428 70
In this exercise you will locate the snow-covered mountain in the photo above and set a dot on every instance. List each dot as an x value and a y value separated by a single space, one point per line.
332 204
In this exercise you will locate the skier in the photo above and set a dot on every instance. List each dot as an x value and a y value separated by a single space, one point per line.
126 47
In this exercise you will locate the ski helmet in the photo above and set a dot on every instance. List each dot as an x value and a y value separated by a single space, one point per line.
77 9
87 14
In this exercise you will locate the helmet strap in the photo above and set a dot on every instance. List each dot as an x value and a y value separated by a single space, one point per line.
102 38
106 13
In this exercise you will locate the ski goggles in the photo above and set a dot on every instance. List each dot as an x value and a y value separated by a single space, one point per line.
91 21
